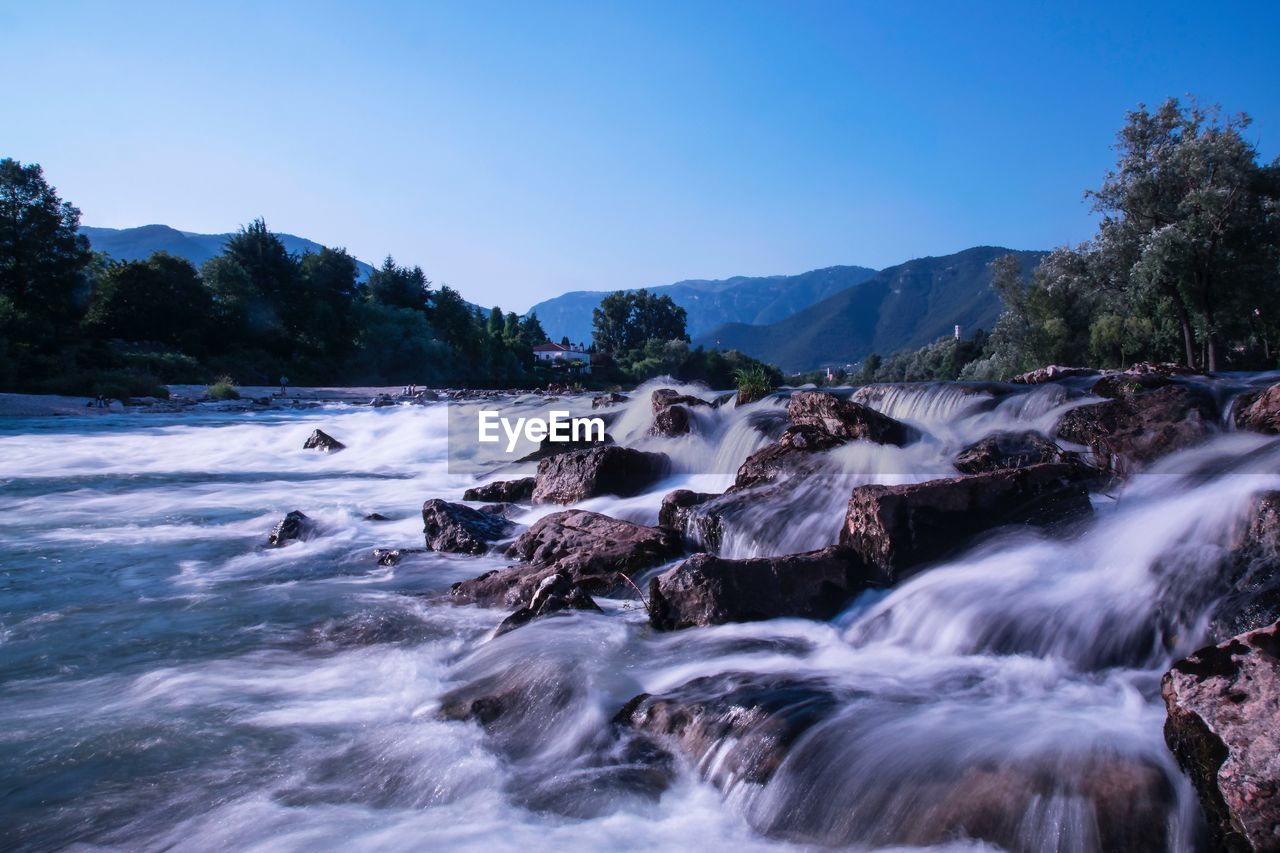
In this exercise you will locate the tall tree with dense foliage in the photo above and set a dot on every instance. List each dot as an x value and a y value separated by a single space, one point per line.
161 299
627 320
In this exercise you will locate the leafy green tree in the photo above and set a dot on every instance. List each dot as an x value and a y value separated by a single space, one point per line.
626 320
43 258
399 287
160 299
531 331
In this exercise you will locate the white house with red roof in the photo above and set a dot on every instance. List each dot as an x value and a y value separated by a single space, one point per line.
571 356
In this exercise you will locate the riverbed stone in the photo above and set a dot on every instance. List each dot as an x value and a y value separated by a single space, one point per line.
295 526
509 491
1258 411
555 593
460 529
1130 432
844 419
322 441
1003 450
571 477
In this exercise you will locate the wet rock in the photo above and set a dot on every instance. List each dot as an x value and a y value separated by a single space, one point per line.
1258 411
790 456
1224 703
676 506
393 556
736 726
321 440
1251 575
1132 431
1007 450
610 399
594 550
382 401
1051 373
513 491
548 448
898 528
367 629
665 398
461 529
376 516
708 590
844 419
295 526
555 593
581 474
672 421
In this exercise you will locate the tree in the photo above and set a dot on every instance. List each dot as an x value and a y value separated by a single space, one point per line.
399 287
43 258
531 331
626 320
160 299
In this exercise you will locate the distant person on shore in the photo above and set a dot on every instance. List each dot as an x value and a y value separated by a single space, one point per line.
284 386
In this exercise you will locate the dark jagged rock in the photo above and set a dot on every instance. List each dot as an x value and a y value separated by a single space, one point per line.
548 449
792 456
1051 373
581 474
376 516
461 529
897 528
674 512
672 421
845 419
665 398
1258 411
555 593
610 399
1007 450
1224 704
512 491
382 401
321 440
1251 575
393 556
1130 432
593 550
709 590
746 721
295 526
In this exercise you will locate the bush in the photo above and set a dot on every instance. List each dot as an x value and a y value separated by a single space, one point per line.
167 366
112 384
753 384
223 389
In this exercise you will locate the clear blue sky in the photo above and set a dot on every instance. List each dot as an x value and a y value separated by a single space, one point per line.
519 149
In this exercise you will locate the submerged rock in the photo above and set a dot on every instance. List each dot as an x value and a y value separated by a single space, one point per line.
844 419
1131 432
461 529
571 477
509 491
1251 575
321 440
393 556
593 550
295 526
1003 450
555 593
1224 704
897 528
708 590
1258 411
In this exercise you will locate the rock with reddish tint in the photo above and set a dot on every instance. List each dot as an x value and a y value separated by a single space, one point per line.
1004 450
555 593
671 422
897 529
791 456
1258 411
508 491
1128 433
593 550
460 529
294 527
1224 728
709 590
676 506
665 398
844 419
322 441
581 474
548 448
1052 373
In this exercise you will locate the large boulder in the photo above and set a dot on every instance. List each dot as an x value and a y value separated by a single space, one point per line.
1003 450
555 593
548 448
460 529
671 416
709 590
896 529
676 507
844 419
322 441
665 398
571 477
1224 705
506 491
1132 431
791 456
295 526
1052 373
1258 411
1251 574
593 550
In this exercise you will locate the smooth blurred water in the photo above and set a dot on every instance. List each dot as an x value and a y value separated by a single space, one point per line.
169 682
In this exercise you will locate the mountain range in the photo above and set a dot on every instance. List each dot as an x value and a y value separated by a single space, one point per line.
901 307
137 244
709 304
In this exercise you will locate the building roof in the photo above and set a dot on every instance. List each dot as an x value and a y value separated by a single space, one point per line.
550 347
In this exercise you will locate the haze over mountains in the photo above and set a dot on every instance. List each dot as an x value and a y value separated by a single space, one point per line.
136 244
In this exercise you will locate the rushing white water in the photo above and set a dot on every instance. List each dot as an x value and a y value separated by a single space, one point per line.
169 683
